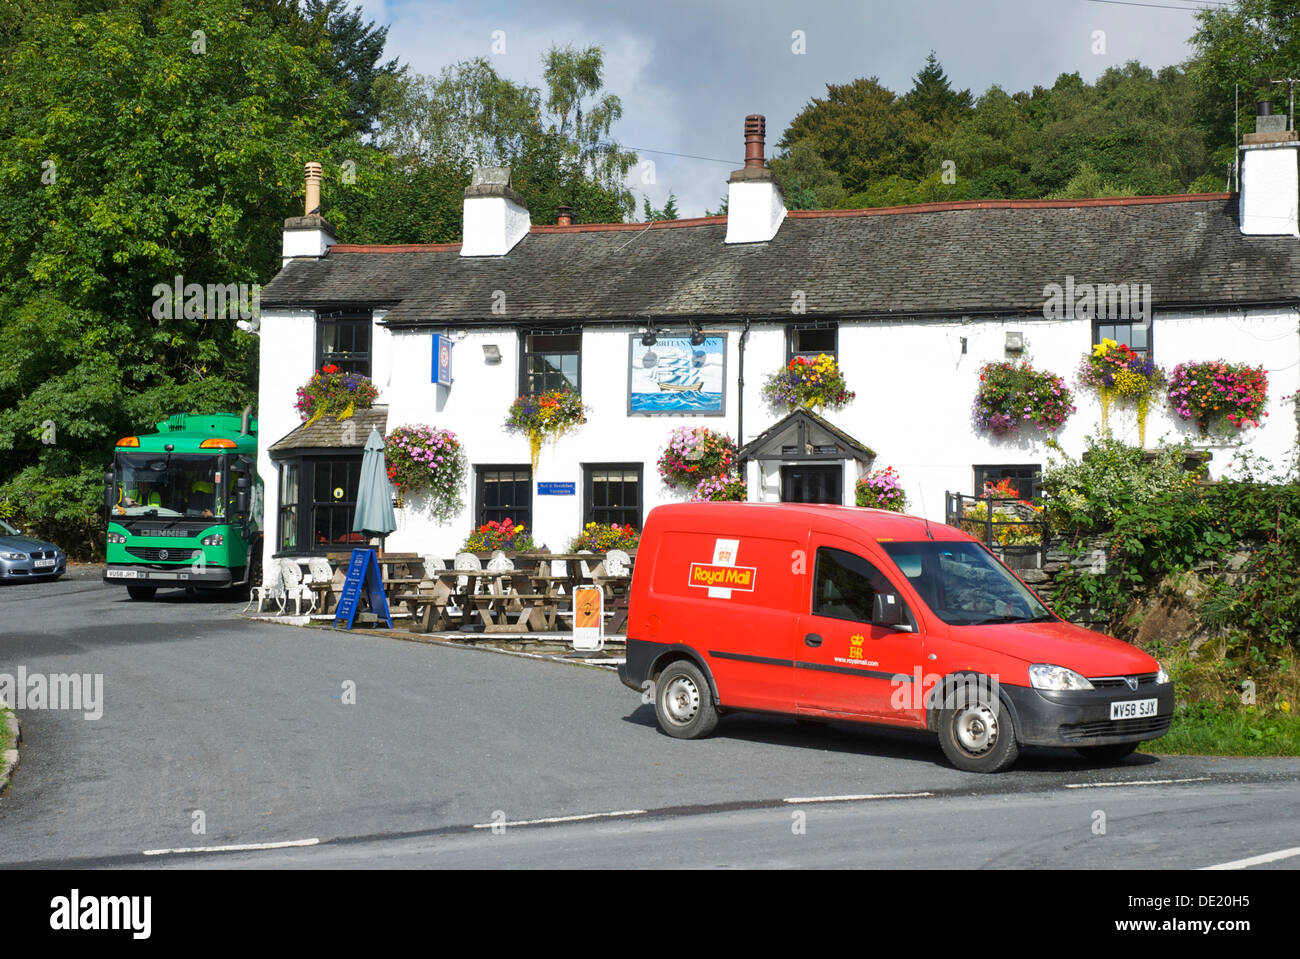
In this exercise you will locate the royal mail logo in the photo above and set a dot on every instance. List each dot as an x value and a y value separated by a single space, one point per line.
857 639
726 577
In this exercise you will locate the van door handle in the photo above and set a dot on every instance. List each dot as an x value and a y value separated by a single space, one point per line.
812 639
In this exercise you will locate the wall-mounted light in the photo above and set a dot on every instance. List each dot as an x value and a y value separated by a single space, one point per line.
491 353
649 339
963 345
697 335
1015 341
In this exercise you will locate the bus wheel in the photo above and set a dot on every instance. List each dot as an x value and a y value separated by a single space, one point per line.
976 732
141 592
684 703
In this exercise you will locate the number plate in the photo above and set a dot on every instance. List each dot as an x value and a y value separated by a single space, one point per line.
123 574
1133 709
38 563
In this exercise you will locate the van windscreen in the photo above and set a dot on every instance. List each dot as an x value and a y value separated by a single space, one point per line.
965 585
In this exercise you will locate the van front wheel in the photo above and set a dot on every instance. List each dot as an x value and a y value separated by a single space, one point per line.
684 703
976 732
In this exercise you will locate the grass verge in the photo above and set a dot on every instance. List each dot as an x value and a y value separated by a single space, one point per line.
1208 729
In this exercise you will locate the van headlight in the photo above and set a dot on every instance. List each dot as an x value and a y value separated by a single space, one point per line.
1161 675
1047 676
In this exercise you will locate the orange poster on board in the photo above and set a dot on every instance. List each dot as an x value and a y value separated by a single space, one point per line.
586 608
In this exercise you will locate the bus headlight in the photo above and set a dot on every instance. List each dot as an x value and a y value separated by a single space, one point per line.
216 539
116 538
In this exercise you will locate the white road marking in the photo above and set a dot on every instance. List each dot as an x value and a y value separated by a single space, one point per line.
1137 782
1257 860
808 799
243 847
553 819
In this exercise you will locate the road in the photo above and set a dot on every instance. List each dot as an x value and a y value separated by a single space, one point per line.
245 730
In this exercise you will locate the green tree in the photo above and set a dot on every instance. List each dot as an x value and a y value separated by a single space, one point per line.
807 181
668 211
130 153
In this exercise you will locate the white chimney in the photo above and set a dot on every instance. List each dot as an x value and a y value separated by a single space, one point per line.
755 207
311 234
496 217
1270 177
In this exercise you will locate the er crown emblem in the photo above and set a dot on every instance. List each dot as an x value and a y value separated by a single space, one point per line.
857 639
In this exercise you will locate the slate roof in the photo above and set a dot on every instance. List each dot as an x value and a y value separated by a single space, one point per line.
933 259
330 433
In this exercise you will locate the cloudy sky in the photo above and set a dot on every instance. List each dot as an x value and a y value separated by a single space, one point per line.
689 72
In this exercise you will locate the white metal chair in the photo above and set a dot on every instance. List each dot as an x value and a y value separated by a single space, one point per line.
500 562
617 563
294 589
271 588
319 579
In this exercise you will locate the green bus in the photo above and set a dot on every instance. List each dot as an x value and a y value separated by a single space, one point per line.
184 506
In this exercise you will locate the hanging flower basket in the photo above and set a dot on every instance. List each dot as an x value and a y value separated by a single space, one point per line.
548 415
422 459
720 489
602 537
1115 372
1215 393
881 489
815 383
506 536
1013 394
693 453
330 390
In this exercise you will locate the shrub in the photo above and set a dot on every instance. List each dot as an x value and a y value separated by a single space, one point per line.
815 383
693 453
717 489
1012 394
602 537
881 489
550 414
422 459
505 535
1215 393
330 390
1114 371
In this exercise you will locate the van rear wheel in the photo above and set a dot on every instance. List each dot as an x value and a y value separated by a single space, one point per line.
977 734
684 702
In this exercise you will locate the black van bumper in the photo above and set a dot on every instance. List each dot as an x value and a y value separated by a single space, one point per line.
1082 717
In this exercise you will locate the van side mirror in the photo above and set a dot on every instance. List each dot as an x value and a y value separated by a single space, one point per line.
886 610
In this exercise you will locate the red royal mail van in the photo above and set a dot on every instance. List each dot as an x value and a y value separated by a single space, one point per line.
839 613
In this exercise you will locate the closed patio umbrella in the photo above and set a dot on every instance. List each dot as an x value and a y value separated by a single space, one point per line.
374 502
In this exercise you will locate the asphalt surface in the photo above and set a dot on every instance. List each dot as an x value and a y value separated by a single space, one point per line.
242 728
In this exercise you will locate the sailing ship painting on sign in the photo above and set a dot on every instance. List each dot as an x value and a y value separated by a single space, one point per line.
675 376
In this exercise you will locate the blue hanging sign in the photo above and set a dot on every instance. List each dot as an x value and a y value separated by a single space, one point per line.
557 489
441 371
363 575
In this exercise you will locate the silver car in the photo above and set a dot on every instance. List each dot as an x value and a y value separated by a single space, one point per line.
22 557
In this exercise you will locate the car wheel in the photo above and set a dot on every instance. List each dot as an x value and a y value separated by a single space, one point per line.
141 592
684 702
976 731
1110 753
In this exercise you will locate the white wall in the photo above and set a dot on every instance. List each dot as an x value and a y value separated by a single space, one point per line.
913 406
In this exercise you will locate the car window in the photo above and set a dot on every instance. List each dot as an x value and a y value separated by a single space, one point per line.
964 585
845 586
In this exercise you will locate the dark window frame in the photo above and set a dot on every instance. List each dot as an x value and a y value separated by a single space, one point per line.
481 508
356 361
524 355
996 470
307 463
589 508
791 331
817 605
1147 352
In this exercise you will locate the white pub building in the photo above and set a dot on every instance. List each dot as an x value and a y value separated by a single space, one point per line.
910 301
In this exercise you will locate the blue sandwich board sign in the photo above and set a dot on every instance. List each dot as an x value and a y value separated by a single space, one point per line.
442 359
363 575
